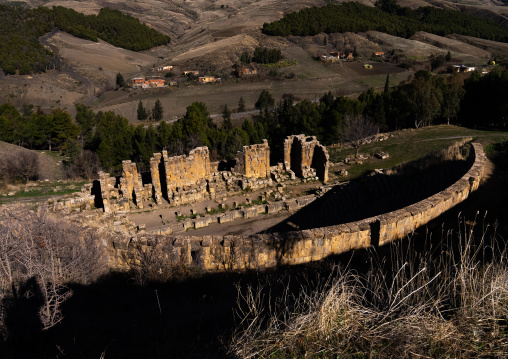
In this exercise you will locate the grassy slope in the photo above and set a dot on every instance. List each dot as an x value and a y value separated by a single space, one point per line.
409 145
51 174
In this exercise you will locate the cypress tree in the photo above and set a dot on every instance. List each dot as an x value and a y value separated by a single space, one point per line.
157 111
241 105
387 85
227 125
142 115
120 82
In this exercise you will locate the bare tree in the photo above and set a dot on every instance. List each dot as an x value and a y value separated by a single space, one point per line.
51 253
86 165
20 165
355 130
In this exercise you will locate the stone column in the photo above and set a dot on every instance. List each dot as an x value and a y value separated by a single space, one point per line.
156 181
288 142
129 175
267 157
103 180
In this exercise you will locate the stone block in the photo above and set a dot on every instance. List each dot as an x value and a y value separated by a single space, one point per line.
250 212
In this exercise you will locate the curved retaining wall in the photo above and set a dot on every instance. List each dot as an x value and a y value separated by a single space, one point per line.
267 250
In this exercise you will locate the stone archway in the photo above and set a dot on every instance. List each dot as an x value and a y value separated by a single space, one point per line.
306 157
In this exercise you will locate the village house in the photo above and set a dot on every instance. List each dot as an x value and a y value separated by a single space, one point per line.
164 68
208 79
157 83
152 83
245 71
378 54
137 82
463 68
332 57
193 72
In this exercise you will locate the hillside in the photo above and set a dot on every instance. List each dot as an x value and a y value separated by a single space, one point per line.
210 38
49 166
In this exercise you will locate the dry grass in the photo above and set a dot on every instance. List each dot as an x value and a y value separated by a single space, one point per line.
445 302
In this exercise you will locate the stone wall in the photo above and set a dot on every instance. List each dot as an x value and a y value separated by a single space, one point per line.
306 157
217 253
131 185
183 171
184 179
254 161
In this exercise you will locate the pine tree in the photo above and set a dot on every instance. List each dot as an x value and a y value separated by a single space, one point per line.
142 115
448 56
387 85
265 101
157 111
241 105
227 125
120 82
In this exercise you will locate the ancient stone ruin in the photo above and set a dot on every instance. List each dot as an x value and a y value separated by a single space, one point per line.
216 253
260 250
306 157
190 178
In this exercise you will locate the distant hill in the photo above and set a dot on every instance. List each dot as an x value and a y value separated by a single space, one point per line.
389 18
21 52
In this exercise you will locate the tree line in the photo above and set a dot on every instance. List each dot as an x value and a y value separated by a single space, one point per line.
112 26
425 100
21 50
388 17
20 29
108 139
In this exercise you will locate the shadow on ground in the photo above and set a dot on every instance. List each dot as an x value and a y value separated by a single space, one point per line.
194 317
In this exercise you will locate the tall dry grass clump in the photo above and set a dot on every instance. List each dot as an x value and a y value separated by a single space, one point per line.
449 301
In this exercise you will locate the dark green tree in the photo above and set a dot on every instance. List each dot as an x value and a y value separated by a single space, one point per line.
387 85
265 101
142 115
87 120
241 105
157 111
227 125
245 58
163 135
120 82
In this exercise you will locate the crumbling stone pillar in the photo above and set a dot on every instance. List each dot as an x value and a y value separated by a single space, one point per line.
107 187
321 162
288 142
254 161
299 157
130 183
156 181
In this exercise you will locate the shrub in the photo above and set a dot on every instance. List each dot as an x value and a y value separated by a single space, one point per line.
40 255
21 165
